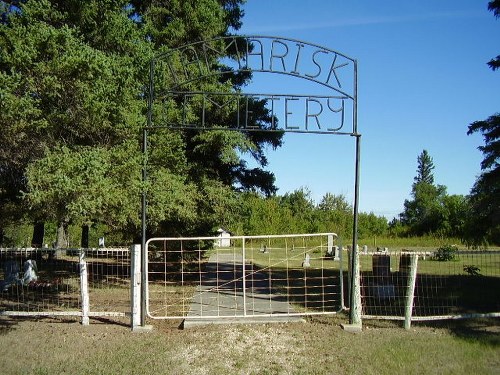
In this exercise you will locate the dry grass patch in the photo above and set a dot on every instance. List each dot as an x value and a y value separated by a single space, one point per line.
319 346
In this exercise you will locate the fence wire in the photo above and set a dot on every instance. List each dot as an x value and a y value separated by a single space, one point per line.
247 276
465 284
108 280
39 280
47 281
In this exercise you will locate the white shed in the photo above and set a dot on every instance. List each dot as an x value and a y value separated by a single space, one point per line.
223 238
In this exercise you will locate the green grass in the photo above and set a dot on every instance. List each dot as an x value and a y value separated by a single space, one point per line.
319 346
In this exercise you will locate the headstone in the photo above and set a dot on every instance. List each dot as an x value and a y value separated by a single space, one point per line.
30 270
101 241
11 274
329 249
365 249
381 265
336 253
307 260
404 263
383 287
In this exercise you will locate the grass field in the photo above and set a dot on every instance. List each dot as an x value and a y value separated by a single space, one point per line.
319 346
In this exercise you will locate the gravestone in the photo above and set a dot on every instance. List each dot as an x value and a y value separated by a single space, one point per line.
30 270
11 274
307 261
383 286
404 263
336 253
381 265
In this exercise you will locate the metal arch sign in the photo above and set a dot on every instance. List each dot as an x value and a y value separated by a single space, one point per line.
333 112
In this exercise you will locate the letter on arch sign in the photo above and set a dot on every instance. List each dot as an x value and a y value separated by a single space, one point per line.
330 108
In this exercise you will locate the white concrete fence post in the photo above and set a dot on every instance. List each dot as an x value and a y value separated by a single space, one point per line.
410 291
84 289
135 287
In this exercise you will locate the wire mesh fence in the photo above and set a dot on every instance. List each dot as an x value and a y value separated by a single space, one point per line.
108 280
39 281
48 282
460 284
246 277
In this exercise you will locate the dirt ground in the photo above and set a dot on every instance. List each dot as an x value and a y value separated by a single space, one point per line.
318 346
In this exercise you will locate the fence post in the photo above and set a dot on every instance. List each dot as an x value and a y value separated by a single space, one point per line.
84 289
412 278
355 323
135 287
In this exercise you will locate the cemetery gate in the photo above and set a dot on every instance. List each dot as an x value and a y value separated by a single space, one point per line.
173 104
248 277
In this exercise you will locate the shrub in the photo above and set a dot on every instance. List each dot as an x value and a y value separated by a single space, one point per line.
446 253
472 270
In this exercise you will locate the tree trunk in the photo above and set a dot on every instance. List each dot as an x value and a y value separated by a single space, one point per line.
38 234
85 237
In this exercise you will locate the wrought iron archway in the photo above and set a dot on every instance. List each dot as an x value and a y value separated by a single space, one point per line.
171 74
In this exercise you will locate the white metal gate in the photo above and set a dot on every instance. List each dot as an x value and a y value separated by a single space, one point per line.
249 277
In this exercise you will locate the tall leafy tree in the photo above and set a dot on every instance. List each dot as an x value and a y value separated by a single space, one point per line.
334 214
423 213
72 78
484 218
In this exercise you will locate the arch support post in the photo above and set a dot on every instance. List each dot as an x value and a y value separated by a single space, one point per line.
355 307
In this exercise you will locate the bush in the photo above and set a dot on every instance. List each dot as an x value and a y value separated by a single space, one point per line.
446 253
472 270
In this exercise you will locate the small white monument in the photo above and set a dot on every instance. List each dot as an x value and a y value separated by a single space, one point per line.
307 261
223 238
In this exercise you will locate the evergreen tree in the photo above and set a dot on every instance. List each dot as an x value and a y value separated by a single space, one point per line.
423 214
425 165
72 78
494 6
484 217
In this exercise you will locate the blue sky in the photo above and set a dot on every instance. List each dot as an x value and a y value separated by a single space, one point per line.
422 79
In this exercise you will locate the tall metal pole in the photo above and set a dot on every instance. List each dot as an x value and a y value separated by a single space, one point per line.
144 255
355 297
355 308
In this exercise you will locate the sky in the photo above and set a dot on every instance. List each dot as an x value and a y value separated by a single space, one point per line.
422 79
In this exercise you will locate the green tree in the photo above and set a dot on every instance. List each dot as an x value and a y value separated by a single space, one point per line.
454 216
301 206
425 165
334 214
72 78
423 214
494 6
265 215
484 217
371 225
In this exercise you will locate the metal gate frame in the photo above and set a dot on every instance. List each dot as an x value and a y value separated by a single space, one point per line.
227 286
